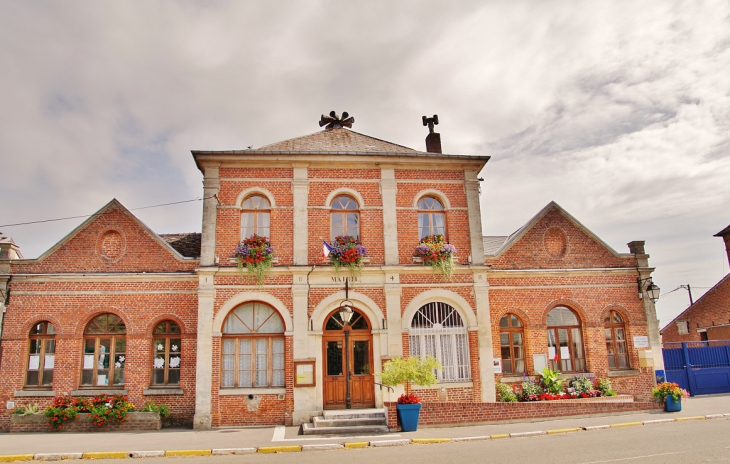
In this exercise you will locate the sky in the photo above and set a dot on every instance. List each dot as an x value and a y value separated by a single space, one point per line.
619 110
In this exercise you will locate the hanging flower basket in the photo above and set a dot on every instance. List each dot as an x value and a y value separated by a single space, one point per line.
255 254
436 251
347 252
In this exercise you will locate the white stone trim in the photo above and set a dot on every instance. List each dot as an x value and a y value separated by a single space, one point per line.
344 191
433 193
439 295
362 302
242 196
246 297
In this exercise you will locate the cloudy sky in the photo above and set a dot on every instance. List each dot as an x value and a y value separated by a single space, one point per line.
617 110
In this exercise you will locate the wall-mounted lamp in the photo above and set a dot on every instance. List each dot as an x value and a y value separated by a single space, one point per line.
649 287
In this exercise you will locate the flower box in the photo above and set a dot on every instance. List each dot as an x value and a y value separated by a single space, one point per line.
134 422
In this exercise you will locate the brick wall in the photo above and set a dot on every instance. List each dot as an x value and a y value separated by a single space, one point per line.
712 309
472 413
134 422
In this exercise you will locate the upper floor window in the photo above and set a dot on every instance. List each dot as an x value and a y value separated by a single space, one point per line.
255 217
565 341
615 331
167 349
252 348
105 348
41 355
512 344
438 330
431 218
344 218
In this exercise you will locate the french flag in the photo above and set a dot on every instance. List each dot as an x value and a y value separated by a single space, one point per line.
325 249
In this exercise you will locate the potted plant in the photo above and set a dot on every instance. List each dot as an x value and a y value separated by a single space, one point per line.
670 394
348 252
412 370
436 251
255 254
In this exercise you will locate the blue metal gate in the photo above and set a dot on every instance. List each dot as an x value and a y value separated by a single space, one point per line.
701 368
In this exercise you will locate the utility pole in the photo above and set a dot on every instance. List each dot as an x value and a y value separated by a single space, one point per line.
689 291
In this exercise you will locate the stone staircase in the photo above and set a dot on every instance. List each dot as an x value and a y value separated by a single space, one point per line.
348 422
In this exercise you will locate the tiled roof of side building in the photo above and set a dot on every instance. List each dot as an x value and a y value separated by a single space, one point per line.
493 243
338 140
723 232
187 244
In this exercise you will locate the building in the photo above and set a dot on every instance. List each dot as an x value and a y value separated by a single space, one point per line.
114 307
707 318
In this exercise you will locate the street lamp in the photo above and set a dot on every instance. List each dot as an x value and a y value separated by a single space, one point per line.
346 313
651 289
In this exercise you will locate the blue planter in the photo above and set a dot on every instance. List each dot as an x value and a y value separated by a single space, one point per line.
408 416
670 405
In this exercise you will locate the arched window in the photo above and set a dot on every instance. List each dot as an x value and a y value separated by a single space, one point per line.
615 330
167 348
431 218
512 344
438 330
255 217
105 347
252 351
565 341
41 355
344 218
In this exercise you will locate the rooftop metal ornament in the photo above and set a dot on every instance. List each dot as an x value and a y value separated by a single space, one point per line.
430 122
334 121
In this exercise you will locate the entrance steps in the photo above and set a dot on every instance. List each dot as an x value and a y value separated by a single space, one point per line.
348 422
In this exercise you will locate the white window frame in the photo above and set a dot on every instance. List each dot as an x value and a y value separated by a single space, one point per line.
449 345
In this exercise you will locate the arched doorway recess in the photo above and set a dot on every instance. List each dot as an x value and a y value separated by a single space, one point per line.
347 353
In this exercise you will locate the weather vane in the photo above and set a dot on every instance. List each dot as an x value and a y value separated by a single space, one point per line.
334 121
430 122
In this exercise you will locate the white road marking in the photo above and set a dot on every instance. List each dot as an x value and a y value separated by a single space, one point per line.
280 434
636 457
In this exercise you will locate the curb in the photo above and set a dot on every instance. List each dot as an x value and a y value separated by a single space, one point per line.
334 446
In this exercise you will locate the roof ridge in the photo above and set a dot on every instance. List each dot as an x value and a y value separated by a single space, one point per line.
339 130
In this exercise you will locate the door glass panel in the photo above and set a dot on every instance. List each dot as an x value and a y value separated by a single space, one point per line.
361 357
334 358
517 338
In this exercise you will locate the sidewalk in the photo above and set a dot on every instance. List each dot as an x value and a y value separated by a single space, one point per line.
251 439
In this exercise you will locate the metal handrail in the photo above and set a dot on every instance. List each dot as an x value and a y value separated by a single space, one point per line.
386 386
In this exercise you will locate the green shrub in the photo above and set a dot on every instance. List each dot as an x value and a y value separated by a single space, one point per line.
530 387
505 394
581 384
161 409
551 381
604 386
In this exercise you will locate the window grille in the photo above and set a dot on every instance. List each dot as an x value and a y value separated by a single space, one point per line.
438 330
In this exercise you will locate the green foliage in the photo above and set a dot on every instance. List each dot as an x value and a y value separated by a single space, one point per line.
664 389
604 386
505 394
530 387
161 409
582 384
551 381
101 407
412 370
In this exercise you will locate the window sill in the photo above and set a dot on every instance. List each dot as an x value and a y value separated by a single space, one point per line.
251 391
419 260
98 391
624 373
31 393
233 261
163 391
515 379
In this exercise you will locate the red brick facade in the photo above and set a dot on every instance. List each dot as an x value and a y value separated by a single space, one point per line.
113 264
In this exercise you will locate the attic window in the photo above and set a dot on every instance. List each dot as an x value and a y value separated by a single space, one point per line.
683 327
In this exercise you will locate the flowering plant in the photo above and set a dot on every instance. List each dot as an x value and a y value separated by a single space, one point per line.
101 407
348 252
255 254
436 251
664 389
408 399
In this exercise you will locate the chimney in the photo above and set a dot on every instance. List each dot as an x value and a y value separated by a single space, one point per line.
725 234
433 139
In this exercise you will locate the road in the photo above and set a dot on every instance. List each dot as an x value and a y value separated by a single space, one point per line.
679 442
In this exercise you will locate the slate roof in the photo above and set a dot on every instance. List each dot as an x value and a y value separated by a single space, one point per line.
493 243
336 140
723 232
187 244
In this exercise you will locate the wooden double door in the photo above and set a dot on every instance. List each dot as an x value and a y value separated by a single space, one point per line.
348 358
